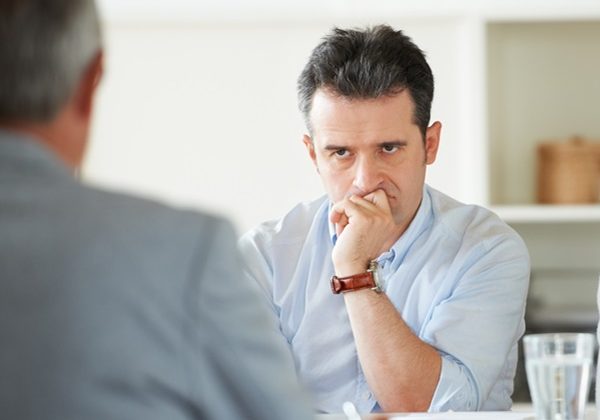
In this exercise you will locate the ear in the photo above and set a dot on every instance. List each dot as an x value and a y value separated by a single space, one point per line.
310 147
84 96
432 142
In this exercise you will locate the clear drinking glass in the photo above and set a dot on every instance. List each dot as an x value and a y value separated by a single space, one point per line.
558 373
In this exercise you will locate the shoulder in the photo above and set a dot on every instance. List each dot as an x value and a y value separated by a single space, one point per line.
472 224
292 228
126 218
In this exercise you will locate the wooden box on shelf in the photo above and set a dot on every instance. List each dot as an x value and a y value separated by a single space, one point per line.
568 172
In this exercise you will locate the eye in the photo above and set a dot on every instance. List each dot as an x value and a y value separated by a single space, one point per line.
341 153
389 148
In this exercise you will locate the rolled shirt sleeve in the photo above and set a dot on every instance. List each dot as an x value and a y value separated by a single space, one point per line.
456 389
477 328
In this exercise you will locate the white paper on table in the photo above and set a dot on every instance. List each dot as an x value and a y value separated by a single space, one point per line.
480 415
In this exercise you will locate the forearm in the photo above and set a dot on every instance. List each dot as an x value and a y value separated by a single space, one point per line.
401 370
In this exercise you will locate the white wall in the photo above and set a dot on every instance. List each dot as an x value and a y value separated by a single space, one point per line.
204 114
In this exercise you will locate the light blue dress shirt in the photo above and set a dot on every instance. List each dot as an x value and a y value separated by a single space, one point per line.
458 276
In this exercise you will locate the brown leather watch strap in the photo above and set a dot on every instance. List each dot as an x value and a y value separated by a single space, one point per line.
355 282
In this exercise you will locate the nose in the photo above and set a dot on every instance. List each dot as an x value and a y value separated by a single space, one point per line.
367 176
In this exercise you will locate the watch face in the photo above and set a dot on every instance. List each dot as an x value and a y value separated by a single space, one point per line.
374 268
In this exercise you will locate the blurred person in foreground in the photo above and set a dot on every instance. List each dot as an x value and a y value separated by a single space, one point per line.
111 307
389 293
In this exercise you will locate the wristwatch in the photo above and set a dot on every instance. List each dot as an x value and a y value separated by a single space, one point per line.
366 280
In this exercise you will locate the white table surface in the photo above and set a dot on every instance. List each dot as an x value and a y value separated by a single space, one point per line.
520 411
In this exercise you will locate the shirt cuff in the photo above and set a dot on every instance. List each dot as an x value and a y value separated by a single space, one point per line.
456 388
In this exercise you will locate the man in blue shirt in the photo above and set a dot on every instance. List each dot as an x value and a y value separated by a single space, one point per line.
389 293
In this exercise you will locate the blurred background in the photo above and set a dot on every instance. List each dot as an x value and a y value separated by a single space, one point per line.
198 109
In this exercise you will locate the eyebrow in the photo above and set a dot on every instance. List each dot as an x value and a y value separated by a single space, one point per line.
398 143
393 143
334 147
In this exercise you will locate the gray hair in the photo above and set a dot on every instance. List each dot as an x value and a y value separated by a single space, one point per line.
45 47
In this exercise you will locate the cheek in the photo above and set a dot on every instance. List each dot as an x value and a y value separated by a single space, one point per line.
337 184
407 178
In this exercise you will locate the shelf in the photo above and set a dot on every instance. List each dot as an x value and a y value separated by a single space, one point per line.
562 317
178 11
548 213
542 85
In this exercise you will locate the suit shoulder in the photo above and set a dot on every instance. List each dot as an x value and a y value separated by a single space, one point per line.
129 214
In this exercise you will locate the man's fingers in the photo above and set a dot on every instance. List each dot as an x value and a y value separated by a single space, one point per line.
341 212
380 199
362 202
345 207
341 224
373 203
336 215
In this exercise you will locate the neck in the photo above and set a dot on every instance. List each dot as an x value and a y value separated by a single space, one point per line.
60 135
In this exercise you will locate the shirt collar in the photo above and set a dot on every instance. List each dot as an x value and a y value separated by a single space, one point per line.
418 224
331 226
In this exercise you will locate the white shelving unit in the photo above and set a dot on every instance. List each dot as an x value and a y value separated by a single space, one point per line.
508 74
540 214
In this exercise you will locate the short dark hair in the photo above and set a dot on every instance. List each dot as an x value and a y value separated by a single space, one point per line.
368 64
45 46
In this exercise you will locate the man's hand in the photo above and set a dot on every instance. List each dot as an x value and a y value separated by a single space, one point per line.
365 228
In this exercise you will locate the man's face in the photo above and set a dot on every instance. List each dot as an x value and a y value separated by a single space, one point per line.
360 146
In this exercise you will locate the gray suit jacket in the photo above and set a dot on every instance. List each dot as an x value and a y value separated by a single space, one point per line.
112 307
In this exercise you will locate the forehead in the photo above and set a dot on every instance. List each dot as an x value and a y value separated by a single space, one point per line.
332 114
